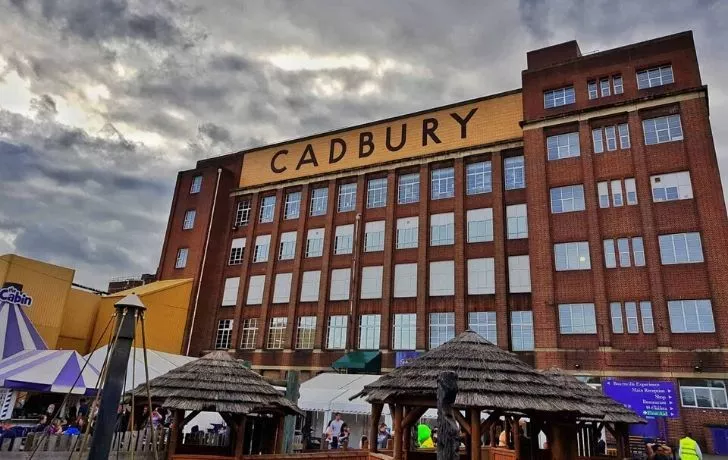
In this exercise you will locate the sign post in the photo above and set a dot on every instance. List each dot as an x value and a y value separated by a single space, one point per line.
648 398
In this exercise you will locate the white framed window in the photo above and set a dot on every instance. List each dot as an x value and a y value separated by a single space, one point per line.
377 193
481 276
617 84
310 286
559 97
517 221
224 334
407 232
631 189
230 292
442 328
340 284
704 394
624 141
256 284
442 229
615 136
624 255
262 245
577 318
249 334
443 183
617 196
638 252
615 310
404 331
598 140
282 288
371 282
656 76
336 337
484 323
478 178
681 248
480 225
617 193
374 236
691 316
648 321
344 239
306 333
347 197
630 312
610 257
196 185
572 256
522 331
319 201
181 260
277 332
315 242
591 88
623 249
287 250
369 329
567 199
442 278
519 274
662 129
405 280
563 146
514 173
267 209
242 213
408 190
603 192
189 221
292 208
237 251
671 187
604 87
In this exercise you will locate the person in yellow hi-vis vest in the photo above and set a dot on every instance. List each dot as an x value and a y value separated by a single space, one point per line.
689 449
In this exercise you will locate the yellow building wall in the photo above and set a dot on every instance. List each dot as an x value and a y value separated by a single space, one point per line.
79 319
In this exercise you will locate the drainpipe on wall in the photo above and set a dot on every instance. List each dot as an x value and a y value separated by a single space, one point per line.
350 333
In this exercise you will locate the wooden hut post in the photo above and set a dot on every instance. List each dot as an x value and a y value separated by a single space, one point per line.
515 428
398 435
280 445
563 442
240 436
474 434
622 435
374 427
175 433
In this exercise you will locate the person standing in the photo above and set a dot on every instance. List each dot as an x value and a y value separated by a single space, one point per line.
383 436
333 431
689 449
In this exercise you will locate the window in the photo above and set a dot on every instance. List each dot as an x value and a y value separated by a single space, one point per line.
517 221
267 207
262 243
443 183
563 146
306 333
603 192
319 201
405 280
662 129
638 251
631 189
340 279
292 207
224 334
442 278
577 318
310 286
671 187
617 193
282 288
478 178
572 256
230 292
630 310
242 213
707 394
369 326
615 309
336 338
371 282
287 250
611 137
442 229
691 316
404 331
615 137
237 250
648 322
480 225
315 242
196 185
249 333
624 142
617 84
408 189
277 332
617 197
519 274
181 261
656 76
442 328
189 221
610 259
522 330
558 97
377 193
604 87
407 232
255 290
374 236
681 248
591 87
347 197
567 199
344 241
623 248
484 324
481 276
625 256
514 173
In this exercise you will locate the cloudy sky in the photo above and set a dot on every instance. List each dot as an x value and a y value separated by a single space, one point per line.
102 101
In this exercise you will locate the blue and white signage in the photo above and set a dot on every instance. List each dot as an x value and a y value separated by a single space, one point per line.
648 398
12 295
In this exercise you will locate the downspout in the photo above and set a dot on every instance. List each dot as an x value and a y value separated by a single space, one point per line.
350 333
204 259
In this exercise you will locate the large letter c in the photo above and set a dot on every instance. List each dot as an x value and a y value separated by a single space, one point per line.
273 166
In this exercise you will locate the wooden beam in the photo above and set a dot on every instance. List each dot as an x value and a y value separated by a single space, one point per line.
174 433
192 415
240 436
516 437
413 415
461 420
475 434
374 426
398 431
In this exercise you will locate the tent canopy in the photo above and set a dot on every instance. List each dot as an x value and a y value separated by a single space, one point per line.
369 362
54 371
17 332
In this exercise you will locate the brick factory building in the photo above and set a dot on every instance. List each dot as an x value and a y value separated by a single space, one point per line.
578 221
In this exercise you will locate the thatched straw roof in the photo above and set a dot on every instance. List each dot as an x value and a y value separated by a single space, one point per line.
218 383
489 378
611 410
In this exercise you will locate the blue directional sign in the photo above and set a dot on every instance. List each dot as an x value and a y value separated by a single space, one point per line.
648 398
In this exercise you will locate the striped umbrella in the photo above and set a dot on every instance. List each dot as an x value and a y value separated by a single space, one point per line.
53 371
17 333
